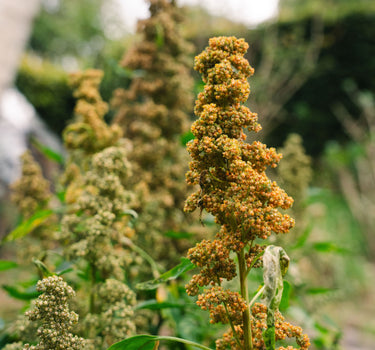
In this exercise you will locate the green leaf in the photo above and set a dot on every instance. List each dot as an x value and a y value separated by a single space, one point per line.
284 304
172 274
303 237
186 137
28 225
159 40
7 265
153 304
150 342
320 290
329 247
48 152
20 294
178 235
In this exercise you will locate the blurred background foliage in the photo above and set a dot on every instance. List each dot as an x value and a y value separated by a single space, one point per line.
314 76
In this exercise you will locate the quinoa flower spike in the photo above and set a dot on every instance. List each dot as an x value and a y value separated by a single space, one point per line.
235 189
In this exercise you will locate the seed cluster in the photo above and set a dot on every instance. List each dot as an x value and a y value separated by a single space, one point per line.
153 113
52 311
233 187
95 228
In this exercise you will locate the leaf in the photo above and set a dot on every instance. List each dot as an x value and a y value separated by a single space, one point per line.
20 294
7 265
186 137
172 274
153 304
303 237
320 290
159 36
28 225
275 266
42 268
48 152
178 235
150 342
284 303
329 247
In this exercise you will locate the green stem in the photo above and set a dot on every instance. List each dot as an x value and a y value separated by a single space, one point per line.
92 291
248 342
256 296
235 335
144 255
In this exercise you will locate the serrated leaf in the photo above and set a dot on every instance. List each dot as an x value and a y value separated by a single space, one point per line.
172 274
153 304
7 265
28 225
20 294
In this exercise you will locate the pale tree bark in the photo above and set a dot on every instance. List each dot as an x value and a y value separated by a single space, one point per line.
16 18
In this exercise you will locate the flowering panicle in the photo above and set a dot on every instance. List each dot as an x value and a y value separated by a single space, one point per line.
52 311
95 229
153 113
31 193
234 187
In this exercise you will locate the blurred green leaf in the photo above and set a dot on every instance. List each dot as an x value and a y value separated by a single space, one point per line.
149 342
319 290
329 247
28 225
178 235
7 265
18 293
287 290
301 240
186 137
153 304
48 152
172 274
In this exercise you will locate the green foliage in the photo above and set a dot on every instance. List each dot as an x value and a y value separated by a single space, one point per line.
28 225
170 275
7 265
150 342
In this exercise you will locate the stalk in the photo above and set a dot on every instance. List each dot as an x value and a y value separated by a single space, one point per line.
92 291
248 342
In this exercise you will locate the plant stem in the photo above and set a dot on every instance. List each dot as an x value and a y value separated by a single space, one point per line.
92 291
248 342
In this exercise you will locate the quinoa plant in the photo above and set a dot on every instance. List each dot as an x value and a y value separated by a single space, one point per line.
234 188
153 114
95 229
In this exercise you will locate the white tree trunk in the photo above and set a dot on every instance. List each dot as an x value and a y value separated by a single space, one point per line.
16 18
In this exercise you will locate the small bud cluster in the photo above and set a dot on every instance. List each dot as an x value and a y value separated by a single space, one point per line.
31 191
234 188
295 170
283 329
89 133
52 311
114 317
